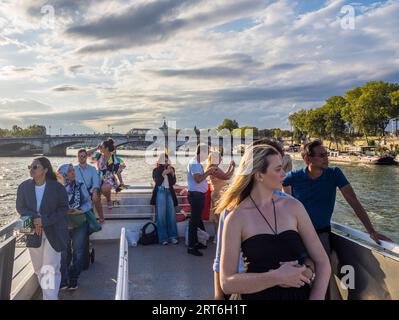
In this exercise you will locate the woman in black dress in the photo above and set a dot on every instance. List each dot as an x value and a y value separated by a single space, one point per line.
275 235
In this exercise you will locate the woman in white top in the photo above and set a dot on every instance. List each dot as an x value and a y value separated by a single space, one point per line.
46 202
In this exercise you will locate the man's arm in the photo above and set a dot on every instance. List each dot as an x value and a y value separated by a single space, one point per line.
350 196
201 177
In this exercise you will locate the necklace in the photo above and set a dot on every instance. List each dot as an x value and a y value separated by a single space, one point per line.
275 217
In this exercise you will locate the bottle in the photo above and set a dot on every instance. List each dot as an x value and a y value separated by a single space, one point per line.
24 225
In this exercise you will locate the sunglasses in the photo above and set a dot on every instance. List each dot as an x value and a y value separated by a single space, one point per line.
35 167
321 155
83 155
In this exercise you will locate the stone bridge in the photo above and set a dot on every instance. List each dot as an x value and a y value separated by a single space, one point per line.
57 145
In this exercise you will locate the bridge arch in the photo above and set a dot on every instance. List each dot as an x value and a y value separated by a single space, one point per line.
19 148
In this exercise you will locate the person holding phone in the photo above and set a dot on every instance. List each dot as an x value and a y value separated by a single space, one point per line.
165 200
46 201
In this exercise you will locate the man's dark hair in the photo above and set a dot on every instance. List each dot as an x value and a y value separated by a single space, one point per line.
308 149
275 144
82 151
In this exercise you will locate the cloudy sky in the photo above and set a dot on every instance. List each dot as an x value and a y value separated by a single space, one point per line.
85 64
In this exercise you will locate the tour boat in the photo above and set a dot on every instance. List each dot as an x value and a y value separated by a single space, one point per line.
362 269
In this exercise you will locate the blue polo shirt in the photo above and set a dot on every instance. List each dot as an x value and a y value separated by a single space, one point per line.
317 195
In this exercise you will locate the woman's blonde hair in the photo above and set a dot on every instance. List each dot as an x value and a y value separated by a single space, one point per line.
255 159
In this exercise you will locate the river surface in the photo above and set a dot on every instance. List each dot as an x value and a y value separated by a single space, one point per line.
377 187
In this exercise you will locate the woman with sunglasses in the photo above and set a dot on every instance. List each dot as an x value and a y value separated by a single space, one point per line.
46 202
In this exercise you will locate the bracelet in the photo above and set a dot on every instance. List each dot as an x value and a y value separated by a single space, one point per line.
313 277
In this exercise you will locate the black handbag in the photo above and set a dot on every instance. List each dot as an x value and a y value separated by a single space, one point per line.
33 241
149 234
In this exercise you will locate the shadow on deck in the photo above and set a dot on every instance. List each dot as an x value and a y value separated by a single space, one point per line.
155 273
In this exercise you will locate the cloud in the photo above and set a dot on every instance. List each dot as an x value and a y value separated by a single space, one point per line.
22 105
152 22
187 59
206 73
66 88
75 67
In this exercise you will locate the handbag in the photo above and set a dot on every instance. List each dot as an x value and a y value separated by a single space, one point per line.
149 236
76 220
94 225
33 241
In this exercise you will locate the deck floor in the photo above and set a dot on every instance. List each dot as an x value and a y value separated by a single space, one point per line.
155 273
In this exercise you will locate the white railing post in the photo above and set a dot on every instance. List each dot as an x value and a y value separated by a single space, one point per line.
122 283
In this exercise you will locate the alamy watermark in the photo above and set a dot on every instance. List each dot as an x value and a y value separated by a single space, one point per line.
348 21
181 145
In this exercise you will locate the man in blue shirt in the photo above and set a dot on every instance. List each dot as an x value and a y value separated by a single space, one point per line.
197 188
315 186
89 176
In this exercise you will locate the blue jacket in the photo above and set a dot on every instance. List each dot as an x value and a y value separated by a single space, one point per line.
53 210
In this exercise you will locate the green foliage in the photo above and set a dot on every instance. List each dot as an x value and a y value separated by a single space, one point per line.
366 110
228 124
16 131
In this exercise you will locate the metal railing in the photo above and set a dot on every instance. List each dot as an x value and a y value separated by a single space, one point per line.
389 247
122 283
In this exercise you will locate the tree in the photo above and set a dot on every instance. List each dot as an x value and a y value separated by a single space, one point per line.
297 121
16 131
4 132
241 131
35 130
372 107
335 125
265 133
228 124
395 107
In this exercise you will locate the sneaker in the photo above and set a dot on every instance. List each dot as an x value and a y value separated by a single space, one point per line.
165 243
195 252
200 246
73 285
174 241
64 286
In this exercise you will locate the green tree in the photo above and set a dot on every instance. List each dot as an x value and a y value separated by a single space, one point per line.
297 121
395 107
242 130
265 133
371 107
334 122
315 123
228 124
35 130
16 131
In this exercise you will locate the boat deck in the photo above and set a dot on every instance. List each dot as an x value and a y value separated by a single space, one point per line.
155 273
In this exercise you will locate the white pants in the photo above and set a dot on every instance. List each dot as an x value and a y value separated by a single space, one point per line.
46 263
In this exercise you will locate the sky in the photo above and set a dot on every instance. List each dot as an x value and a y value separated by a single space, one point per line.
86 66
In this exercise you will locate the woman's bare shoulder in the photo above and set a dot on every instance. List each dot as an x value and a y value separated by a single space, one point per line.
239 213
289 203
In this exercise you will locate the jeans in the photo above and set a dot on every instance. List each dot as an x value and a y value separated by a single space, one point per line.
197 203
72 260
166 215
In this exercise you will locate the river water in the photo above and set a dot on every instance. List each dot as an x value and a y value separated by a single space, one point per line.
377 188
